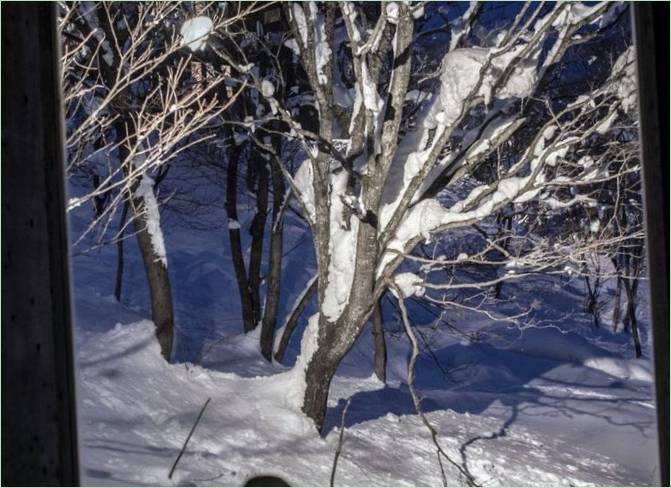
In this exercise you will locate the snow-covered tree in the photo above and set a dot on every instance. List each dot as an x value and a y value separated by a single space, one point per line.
393 158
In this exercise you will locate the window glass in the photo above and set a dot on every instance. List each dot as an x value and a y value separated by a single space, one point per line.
357 243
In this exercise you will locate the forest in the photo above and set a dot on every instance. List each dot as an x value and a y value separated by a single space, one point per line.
383 243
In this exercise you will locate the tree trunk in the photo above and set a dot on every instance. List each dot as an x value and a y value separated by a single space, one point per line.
159 282
318 376
631 288
380 346
157 274
335 341
618 300
257 231
591 305
507 222
119 247
274 267
236 243
292 321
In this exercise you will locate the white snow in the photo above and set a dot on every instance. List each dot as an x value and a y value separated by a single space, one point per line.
462 70
267 89
303 181
233 224
409 284
195 32
574 12
569 406
322 49
486 142
418 12
152 218
605 125
626 87
293 45
356 107
391 10
371 98
460 74
564 426
342 251
301 22
429 215
618 368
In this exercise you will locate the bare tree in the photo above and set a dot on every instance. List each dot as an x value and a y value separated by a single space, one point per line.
132 107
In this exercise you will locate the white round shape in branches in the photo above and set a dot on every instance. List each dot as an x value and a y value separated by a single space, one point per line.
392 12
267 89
195 32
409 284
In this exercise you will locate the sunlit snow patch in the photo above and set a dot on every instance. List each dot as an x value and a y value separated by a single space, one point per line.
195 32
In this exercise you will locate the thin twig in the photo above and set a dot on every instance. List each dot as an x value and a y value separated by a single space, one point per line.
340 439
179 456
415 398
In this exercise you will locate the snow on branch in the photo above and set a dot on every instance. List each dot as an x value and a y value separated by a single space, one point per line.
544 165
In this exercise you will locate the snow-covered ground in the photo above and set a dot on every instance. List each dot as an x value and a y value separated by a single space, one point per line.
560 403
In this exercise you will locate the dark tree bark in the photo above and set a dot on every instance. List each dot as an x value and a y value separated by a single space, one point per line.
591 301
120 253
631 287
507 221
318 376
292 321
618 299
274 265
380 345
99 201
236 244
257 231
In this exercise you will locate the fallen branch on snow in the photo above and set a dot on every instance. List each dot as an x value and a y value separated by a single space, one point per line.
415 398
340 439
181 452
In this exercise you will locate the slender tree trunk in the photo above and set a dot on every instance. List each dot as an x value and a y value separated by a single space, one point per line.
274 266
119 247
380 345
257 231
159 283
591 305
157 274
618 297
507 223
631 288
292 321
236 243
